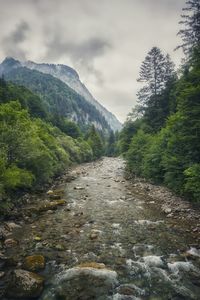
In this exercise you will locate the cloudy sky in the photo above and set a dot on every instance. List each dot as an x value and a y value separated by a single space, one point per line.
104 40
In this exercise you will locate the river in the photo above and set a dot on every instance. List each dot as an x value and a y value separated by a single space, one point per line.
106 220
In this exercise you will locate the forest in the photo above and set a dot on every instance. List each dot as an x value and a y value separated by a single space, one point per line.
161 137
35 147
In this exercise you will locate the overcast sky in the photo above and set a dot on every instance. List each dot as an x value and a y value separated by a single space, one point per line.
104 40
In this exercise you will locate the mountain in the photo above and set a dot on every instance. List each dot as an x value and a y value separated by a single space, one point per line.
58 98
71 78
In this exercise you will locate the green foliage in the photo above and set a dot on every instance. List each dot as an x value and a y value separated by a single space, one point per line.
95 142
33 151
15 177
125 136
10 92
170 153
58 98
111 147
152 167
68 127
136 152
192 180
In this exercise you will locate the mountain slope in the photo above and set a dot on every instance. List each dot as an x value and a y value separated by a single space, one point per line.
71 78
58 97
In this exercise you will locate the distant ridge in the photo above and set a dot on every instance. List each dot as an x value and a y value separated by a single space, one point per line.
69 76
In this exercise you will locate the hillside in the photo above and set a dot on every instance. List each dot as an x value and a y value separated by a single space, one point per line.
71 78
58 98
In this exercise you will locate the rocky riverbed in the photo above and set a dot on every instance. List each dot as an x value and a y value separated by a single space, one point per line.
97 235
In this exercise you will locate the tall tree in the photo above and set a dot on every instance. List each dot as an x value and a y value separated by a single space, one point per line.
152 74
158 75
190 34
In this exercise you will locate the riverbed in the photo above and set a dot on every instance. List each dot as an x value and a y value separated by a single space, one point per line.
106 219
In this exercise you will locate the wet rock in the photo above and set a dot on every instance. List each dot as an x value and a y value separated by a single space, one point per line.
11 225
94 234
93 265
24 284
34 263
56 194
9 243
92 281
129 290
50 192
59 247
3 233
37 238
78 188
167 210
45 207
170 215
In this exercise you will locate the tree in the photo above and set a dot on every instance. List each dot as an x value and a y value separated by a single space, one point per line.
152 73
191 33
94 140
111 145
158 75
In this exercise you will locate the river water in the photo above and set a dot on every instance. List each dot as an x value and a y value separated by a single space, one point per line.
106 220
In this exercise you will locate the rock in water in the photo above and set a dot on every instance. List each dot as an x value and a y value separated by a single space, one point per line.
82 282
34 262
24 284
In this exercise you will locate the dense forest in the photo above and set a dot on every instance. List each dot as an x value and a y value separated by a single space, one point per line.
161 138
35 146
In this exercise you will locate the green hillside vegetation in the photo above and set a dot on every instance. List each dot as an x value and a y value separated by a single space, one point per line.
58 99
32 150
163 144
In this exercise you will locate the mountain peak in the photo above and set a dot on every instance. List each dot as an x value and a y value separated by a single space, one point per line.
10 62
52 69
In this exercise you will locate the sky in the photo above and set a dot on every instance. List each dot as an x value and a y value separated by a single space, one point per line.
104 40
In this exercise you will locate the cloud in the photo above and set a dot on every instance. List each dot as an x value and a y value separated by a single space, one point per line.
105 41
82 53
12 43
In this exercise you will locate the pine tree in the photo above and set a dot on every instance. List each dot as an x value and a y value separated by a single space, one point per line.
152 73
190 34
157 72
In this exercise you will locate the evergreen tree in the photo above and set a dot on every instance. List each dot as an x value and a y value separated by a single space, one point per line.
111 146
95 142
157 72
190 34
152 74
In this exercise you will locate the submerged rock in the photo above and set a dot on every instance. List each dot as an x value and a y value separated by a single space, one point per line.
9 243
24 284
45 206
34 263
87 281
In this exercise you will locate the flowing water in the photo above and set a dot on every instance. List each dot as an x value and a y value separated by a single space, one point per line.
106 220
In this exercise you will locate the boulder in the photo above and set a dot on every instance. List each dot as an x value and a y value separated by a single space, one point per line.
34 263
24 284
86 281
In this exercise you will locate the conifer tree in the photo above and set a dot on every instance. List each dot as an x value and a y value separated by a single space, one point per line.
190 34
